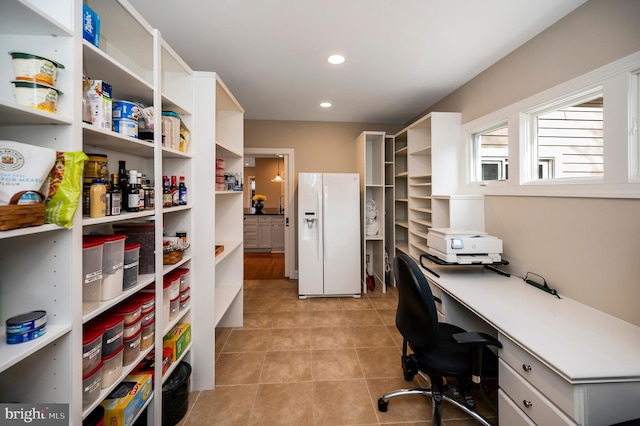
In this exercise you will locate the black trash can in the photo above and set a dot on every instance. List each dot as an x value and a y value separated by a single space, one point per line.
175 395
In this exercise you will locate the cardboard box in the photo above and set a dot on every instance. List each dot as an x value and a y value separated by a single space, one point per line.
178 339
90 25
125 402
99 99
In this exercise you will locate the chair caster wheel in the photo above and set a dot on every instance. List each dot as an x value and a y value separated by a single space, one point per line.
382 405
409 375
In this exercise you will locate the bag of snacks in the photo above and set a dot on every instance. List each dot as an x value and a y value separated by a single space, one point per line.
23 172
65 188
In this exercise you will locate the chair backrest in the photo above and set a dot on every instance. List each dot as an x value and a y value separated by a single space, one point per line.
416 317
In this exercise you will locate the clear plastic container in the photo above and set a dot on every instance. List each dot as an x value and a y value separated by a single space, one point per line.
132 329
148 316
148 334
91 349
184 294
131 265
91 385
174 308
184 304
112 264
131 310
184 278
112 335
92 273
147 300
131 348
143 234
112 367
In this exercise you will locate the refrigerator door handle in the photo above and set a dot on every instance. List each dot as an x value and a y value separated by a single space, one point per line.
324 217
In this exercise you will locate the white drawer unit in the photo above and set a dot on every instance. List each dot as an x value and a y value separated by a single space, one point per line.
509 413
530 401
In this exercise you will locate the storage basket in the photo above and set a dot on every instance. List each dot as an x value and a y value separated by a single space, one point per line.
172 257
21 216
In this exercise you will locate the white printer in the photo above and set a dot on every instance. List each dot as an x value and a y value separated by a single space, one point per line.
463 246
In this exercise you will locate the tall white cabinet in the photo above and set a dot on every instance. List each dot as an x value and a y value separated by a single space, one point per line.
427 181
42 266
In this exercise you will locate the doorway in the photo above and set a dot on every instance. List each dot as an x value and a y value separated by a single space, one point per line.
287 154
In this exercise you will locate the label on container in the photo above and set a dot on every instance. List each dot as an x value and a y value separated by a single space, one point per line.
94 276
93 352
114 338
117 266
131 265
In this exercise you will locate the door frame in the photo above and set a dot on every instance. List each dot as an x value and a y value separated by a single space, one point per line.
290 205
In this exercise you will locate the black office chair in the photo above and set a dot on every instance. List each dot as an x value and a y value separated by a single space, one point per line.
441 351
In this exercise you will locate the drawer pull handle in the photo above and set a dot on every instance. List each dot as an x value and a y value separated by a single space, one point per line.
527 403
526 367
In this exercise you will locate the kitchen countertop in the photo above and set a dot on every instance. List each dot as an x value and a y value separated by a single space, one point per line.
272 211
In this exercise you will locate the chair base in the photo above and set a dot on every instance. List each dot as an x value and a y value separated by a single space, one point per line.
437 403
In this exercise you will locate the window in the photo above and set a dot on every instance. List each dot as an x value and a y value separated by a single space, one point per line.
490 153
567 138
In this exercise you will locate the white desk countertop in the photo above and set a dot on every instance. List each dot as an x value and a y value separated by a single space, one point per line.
580 343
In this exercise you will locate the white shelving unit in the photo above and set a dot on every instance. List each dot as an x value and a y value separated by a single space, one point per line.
426 195
42 266
371 166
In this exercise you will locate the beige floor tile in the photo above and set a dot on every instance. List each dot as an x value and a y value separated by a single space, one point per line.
351 303
222 334
287 339
412 408
330 338
226 405
261 305
283 404
361 318
291 319
371 336
380 362
389 301
267 292
257 320
239 368
291 305
328 318
286 366
325 304
395 335
335 364
342 402
242 340
388 316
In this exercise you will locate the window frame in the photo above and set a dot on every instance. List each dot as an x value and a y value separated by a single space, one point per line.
620 83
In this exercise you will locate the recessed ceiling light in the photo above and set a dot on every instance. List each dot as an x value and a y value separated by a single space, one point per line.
336 59
325 104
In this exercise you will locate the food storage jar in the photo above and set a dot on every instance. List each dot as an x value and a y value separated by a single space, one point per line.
131 348
112 367
91 385
143 234
184 278
113 329
112 264
147 300
131 262
92 274
131 329
130 309
148 333
184 304
91 349
174 308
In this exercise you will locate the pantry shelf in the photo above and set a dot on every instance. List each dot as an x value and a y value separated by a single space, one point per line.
12 354
146 214
30 230
143 281
103 138
14 114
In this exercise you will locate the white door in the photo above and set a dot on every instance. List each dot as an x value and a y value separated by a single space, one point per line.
310 271
341 214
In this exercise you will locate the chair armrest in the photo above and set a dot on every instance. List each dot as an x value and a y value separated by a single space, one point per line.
475 338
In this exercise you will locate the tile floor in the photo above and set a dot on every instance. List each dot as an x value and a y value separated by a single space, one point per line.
322 361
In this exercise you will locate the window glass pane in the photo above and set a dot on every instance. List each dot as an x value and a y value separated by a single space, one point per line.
569 140
491 153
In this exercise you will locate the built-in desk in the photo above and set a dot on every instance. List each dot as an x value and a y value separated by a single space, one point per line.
562 362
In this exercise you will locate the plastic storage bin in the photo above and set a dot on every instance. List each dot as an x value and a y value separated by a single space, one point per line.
143 234
148 334
131 265
91 385
174 308
131 310
112 264
113 328
131 348
91 349
92 274
147 300
131 329
184 278
112 367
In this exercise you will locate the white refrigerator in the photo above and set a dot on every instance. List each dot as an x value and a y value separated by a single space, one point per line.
328 234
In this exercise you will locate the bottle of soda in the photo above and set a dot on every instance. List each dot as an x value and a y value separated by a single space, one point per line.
175 195
182 192
166 192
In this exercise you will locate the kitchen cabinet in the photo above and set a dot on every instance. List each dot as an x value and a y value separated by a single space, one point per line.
277 234
264 232
250 232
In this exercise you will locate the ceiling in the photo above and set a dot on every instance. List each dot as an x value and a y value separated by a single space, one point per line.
402 56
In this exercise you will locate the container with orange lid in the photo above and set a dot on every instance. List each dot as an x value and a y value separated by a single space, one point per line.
131 263
112 367
92 274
